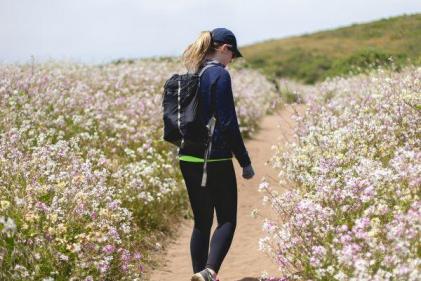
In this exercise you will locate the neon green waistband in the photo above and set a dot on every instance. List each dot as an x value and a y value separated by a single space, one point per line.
197 159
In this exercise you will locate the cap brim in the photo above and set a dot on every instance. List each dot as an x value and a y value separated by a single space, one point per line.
237 53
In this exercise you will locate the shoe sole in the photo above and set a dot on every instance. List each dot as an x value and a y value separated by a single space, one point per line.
197 278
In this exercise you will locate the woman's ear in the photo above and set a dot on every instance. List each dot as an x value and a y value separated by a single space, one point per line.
225 47
222 47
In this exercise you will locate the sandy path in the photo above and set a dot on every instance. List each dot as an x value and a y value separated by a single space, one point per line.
244 262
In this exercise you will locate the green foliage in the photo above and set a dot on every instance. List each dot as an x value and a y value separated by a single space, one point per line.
391 42
365 60
289 96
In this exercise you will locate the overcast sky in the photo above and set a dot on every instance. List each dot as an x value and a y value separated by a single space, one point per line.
97 31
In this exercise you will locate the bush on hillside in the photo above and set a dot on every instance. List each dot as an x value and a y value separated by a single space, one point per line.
366 60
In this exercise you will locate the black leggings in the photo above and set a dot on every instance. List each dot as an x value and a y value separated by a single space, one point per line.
221 194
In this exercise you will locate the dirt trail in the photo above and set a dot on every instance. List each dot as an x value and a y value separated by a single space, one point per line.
244 261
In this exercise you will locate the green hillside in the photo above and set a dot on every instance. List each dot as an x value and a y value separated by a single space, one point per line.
313 57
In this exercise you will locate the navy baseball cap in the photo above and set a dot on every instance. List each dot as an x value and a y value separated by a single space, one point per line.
224 35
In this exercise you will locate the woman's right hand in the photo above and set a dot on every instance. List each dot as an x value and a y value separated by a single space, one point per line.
248 172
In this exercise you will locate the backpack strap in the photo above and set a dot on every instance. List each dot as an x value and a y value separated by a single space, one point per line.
211 125
209 64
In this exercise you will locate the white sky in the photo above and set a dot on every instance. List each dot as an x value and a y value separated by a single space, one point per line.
96 31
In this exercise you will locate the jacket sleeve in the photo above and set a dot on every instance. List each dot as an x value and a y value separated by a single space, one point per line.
227 118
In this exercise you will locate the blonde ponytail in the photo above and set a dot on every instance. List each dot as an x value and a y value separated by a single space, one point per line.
195 54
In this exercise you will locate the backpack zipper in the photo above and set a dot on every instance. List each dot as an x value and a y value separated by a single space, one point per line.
179 112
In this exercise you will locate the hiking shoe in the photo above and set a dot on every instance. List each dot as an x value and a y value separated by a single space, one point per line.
204 275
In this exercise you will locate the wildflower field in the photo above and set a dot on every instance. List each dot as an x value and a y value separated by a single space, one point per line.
352 208
87 185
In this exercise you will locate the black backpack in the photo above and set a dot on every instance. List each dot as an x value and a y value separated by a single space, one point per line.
183 125
183 122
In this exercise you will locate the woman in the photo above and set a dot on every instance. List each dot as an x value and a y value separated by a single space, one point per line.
218 47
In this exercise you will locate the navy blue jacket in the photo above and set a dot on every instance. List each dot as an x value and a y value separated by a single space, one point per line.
226 138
